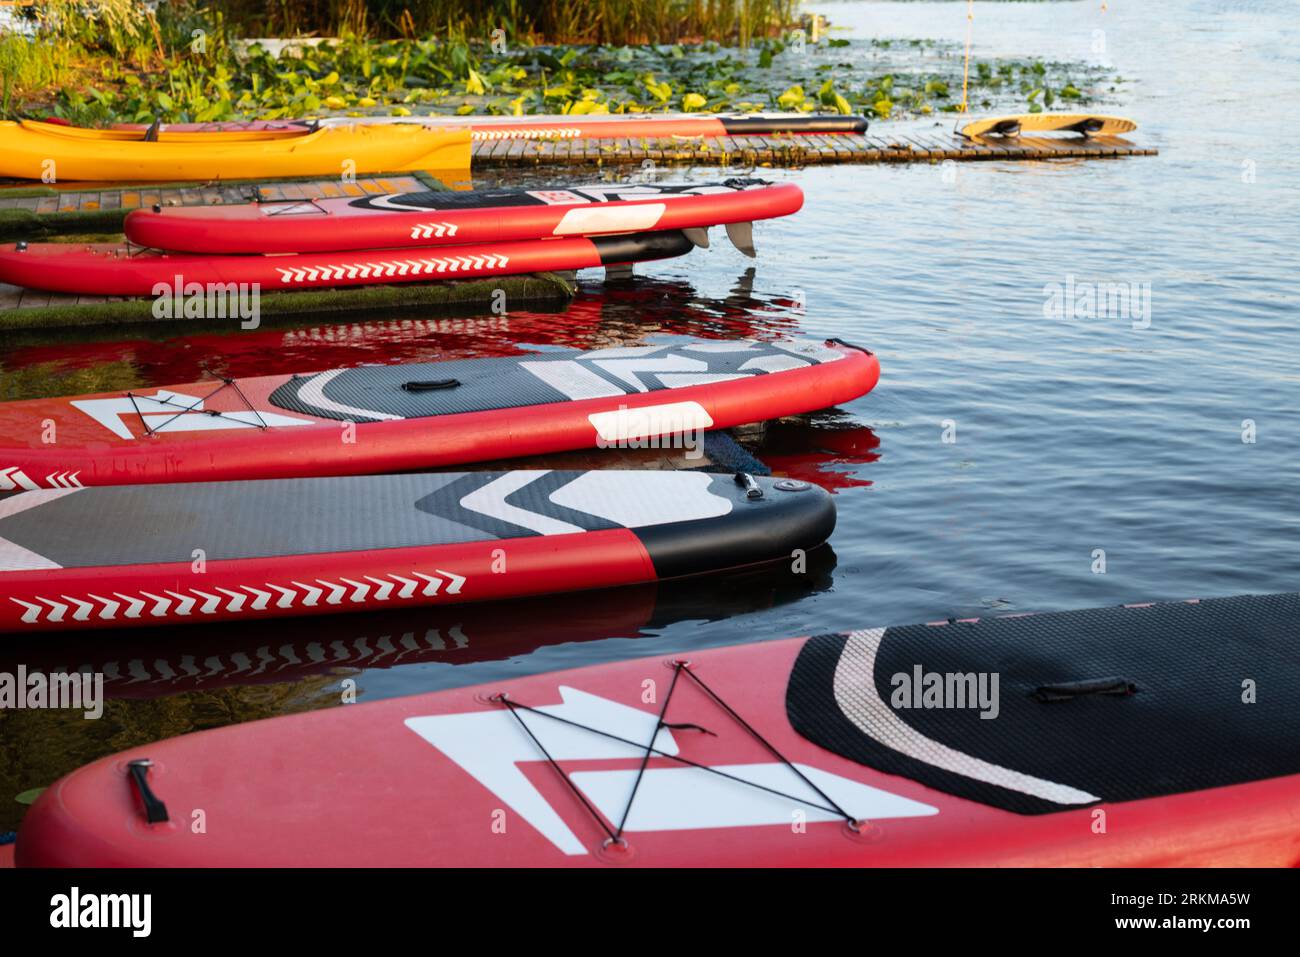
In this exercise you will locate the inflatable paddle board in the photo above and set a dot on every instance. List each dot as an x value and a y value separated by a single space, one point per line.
1121 738
175 554
1086 124
34 150
432 218
109 270
559 126
388 418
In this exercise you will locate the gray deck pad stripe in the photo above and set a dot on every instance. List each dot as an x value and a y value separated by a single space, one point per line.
123 525
375 393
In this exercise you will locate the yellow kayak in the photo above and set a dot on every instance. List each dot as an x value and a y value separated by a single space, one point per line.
54 153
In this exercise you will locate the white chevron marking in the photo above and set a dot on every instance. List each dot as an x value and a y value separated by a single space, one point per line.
430 589
490 500
109 611
287 596
400 268
184 603
57 608
336 591
527 133
32 613
313 594
456 581
133 605
159 609
361 590
383 591
627 369
84 608
312 392
237 599
212 603
13 477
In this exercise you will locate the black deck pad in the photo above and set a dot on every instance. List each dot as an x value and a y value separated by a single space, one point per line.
1185 726
688 521
375 393
562 196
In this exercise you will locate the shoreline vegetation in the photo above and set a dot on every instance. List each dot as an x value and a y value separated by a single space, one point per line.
112 61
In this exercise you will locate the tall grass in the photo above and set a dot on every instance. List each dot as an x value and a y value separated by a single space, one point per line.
560 21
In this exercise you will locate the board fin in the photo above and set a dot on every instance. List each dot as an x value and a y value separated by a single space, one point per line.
699 235
742 237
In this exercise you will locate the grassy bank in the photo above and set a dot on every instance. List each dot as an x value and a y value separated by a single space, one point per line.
571 22
185 63
349 301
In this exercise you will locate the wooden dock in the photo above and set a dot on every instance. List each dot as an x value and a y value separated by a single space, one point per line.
908 143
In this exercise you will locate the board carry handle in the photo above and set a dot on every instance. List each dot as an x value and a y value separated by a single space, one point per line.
836 341
751 487
155 811
429 385
1087 126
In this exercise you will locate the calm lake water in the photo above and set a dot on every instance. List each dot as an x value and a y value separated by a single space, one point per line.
1072 433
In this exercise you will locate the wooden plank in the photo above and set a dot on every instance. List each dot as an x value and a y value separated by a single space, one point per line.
516 153
33 299
926 149
839 145
824 146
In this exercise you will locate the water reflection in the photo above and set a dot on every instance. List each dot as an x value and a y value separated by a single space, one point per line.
152 663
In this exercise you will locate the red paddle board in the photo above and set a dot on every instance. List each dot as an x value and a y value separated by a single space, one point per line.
1121 739
128 556
108 270
431 218
386 418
